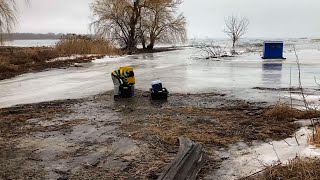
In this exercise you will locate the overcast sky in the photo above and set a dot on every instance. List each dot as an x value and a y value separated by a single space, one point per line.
268 18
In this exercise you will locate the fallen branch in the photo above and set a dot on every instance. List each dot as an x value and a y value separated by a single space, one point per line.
187 163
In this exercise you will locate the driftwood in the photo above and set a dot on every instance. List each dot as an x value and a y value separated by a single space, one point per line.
187 163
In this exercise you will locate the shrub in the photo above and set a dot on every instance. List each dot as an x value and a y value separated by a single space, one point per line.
6 66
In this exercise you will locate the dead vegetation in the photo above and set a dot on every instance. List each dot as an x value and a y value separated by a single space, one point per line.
298 168
18 60
315 138
80 44
213 127
210 51
284 112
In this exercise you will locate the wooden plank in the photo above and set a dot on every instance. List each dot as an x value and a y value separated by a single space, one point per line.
187 162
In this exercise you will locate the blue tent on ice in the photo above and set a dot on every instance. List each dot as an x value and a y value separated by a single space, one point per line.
273 50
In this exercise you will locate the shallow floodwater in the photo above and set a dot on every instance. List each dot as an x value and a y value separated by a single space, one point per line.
179 71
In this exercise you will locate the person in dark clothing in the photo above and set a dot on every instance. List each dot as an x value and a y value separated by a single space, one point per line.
119 79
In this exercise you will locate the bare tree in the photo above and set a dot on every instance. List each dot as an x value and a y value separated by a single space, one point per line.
117 20
235 28
161 22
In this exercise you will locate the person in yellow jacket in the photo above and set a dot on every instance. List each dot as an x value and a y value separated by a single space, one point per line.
119 79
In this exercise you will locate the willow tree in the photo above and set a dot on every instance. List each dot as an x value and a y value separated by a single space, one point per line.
8 9
8 20
132 21
117 20
162 22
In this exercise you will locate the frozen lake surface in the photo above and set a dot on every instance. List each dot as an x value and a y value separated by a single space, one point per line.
35 43
179 72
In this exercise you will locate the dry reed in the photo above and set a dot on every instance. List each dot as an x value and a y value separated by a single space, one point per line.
283 112
315 138
298 168
78 44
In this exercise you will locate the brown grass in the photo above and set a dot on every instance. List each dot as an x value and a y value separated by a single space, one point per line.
315 138
5 65
296 169
77 44
283 112
215 127
18 60
167 130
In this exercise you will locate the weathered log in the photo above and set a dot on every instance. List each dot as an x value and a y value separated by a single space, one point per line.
187 163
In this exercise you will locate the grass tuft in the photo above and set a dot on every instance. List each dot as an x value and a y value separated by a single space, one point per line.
298 168
283 112
6 66
315 138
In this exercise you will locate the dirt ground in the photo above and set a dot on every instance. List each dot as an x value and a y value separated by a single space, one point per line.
102 138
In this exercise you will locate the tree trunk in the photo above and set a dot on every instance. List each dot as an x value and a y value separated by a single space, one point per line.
143 42
151 44
233 51
132 42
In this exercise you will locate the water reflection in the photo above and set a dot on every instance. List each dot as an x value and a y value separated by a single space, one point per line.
271 74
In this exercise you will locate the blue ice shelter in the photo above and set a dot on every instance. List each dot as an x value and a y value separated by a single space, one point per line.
273 50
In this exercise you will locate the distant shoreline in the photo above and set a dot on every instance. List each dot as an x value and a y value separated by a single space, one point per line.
30 36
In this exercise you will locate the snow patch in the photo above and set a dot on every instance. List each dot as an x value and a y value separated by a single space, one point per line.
73 57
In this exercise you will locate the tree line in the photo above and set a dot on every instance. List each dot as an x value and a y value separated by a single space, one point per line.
30 36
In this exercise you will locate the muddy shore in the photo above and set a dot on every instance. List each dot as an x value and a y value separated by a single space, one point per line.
102 138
